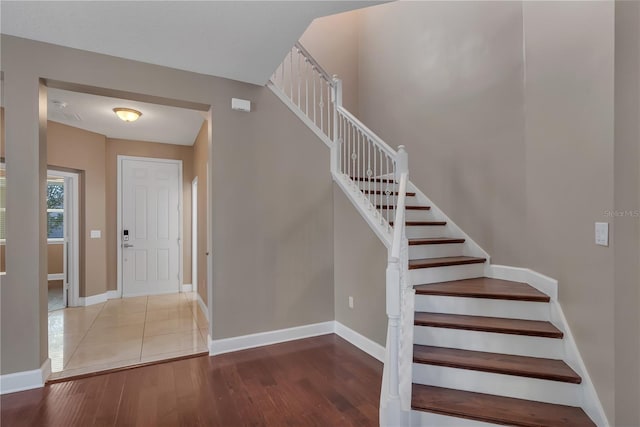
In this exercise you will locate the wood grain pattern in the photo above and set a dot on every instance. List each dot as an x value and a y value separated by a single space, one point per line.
444 261
484 287
320 381
434 241
496 409
532 367
488 324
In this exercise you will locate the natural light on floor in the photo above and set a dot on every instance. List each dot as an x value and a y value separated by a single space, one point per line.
123 332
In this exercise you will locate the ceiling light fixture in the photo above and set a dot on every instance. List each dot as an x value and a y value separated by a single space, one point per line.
127 114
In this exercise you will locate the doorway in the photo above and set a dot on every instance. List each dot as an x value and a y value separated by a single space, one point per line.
149 226
194 233
62 239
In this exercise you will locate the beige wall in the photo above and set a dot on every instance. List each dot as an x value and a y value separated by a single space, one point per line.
569 136
83 151
200 161
272 227
626 228
272 221
360 262
445 80
333 42
506 109
55 258
120 147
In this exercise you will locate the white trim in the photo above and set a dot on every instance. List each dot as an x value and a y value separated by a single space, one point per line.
56 241
194 232
543 283
590 402
370 347
92 299
298 112
55 276
243 342
120 158
25 380
227 345
186 287
470 248
203 306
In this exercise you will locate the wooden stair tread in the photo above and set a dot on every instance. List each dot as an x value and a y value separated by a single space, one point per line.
488 324
484 287
524 366
421 223
434 241
393 193
496 409
444 261
411 208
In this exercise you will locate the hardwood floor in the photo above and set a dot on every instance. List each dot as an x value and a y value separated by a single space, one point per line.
320 381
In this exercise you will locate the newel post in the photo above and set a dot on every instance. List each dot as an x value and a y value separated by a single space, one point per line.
336 95
403 160
393 313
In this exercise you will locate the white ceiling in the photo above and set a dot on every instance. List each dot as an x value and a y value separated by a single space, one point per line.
158 123
240 40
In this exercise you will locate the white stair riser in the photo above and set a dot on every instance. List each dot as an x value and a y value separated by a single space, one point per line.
520 345
416 215
498 384
483 307
416 232
421 276
420 418
436 251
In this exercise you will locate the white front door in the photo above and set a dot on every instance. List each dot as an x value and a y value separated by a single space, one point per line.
150 227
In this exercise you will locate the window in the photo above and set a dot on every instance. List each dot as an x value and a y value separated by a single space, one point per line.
55 208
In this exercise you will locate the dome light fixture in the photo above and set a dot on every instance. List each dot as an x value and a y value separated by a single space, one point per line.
127 114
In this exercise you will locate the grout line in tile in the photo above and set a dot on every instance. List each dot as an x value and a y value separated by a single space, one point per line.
81 339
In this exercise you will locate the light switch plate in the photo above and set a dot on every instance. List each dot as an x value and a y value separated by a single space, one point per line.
96 234
602 233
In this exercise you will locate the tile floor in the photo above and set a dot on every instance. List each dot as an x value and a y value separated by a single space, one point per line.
123 332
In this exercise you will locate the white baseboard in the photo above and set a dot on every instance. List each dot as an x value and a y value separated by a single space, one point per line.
243 342
92 299
370 347
203 306
187 287
543 283
590 401
55 276
228 345
26 380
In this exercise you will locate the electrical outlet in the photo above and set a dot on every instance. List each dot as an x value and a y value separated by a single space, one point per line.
602 233
350 302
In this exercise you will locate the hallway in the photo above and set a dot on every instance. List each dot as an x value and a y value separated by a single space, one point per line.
122 332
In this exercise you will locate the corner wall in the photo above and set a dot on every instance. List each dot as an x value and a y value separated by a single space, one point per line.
270 184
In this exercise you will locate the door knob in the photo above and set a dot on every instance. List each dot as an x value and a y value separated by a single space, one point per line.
127 245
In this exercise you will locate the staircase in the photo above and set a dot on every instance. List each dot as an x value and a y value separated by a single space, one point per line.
464 348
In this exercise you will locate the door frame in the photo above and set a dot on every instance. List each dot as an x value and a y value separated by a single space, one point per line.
121 159
194 234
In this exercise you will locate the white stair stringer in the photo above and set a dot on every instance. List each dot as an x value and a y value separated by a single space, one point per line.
451 229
